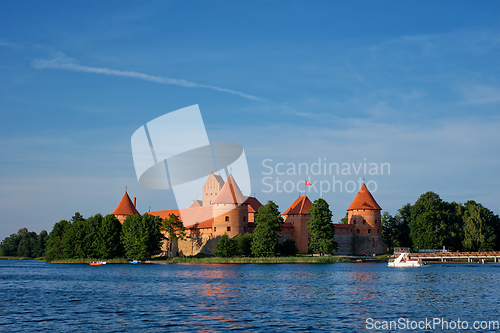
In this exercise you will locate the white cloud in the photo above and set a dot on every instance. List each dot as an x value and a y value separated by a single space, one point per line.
61 61
481 94
9 44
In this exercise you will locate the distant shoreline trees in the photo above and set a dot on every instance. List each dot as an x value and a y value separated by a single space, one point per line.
25 244
431 223
101 237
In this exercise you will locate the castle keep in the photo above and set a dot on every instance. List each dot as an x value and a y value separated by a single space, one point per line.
225 210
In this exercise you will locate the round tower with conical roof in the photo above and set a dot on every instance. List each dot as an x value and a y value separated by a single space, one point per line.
366 220
125 208
230 212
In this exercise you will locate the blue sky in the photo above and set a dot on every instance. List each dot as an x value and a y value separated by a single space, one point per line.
414 84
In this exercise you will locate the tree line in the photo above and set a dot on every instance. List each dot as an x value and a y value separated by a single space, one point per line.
264 241
24 244
140 237
431 223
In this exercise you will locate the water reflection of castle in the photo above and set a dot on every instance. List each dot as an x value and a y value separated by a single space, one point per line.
225 210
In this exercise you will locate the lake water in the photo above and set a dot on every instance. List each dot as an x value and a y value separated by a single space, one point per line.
36 296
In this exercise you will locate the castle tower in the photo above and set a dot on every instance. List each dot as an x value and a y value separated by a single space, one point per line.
365 218
298 215
211 189
125 208
230 212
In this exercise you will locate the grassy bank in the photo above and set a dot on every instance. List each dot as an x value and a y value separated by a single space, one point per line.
216 260
14 258
86 261
266 260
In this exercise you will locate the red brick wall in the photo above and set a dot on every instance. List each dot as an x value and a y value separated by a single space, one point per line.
372 225
237 216
300 231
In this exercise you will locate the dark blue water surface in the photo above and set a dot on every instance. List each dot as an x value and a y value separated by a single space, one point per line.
37 296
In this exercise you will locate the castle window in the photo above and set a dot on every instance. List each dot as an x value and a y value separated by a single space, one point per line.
375 220
244 228
227 218
215 228
244 218
210 201
378 231
228 228
357 230
369 230
354 221
364 221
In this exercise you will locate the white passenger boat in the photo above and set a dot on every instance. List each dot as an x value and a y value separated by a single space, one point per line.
403 260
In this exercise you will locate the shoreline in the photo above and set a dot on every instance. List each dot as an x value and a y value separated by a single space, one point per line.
216 260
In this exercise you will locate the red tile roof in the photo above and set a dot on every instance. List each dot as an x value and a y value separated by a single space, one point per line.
253 204
125 207
165 214
364 200
300 206
230 193
219 179
202 225
196 203
188 216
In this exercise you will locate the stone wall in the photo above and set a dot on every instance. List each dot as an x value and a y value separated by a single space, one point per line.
369 244
345 243
192 246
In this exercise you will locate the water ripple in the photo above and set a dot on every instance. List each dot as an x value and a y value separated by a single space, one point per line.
217 298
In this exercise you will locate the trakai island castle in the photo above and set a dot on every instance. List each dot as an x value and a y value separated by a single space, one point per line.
225 210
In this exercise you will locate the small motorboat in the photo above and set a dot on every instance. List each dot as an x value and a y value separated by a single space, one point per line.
97 263
403 260
135 262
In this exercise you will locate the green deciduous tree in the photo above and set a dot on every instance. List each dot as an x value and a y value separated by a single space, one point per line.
480 225
244 243
73 240
403 218
321 228
41 243
25 244
265 237
345 219
109 244
389 230
91 241
288 248
175 230
141 236
396 230
9 245
226 247
434 223
54 249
